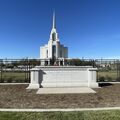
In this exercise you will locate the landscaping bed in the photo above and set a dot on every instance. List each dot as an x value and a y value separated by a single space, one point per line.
17 96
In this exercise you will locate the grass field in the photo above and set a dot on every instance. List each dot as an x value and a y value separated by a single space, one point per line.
14 76
108 75
20 76
84 115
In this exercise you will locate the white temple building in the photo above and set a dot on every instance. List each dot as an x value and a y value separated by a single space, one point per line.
53 50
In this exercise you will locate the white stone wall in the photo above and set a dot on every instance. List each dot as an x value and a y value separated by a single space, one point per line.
64 76
43 52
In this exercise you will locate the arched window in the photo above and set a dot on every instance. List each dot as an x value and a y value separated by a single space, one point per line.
53 36
54 51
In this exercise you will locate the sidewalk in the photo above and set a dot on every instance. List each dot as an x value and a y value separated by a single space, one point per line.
59 110
65 90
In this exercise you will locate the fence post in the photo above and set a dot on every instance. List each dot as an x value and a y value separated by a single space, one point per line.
1 62
118 69
27 69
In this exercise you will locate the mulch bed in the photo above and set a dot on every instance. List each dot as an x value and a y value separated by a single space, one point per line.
17 96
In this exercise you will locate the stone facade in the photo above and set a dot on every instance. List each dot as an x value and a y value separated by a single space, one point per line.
64 76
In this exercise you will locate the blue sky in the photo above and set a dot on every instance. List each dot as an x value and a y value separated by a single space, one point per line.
90 28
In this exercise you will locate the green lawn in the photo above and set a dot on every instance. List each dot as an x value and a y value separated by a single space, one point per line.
20 76
85 115
108 75
14 76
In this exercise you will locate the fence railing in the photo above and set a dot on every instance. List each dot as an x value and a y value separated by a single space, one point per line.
18 70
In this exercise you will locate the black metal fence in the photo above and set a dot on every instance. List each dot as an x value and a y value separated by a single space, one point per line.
18 70
108 70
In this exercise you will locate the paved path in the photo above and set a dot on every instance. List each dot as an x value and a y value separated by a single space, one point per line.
59 110
65 90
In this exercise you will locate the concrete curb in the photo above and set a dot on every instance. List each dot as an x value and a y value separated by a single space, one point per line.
29 83
59 110
110 82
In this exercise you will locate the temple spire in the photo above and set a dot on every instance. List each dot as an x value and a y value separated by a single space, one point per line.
54 20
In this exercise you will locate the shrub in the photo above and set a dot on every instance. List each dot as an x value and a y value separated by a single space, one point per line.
102 79
108 78
118 79
9 80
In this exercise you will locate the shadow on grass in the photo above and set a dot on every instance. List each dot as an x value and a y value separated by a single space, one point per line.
104 84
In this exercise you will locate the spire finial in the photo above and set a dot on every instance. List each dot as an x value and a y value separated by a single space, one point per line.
54 20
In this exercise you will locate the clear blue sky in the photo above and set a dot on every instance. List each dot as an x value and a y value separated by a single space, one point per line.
90 28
